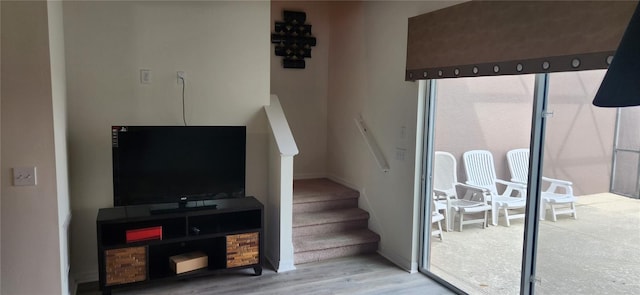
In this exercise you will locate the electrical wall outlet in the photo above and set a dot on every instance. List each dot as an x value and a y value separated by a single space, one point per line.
24 176
145 76
181 77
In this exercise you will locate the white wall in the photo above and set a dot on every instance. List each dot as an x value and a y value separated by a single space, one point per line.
31 244
303 92
222 46
367 58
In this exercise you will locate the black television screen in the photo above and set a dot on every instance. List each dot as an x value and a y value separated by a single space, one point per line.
162 164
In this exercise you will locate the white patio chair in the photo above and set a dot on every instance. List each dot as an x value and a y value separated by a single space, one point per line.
444 173
480 171
444 179
437 217
469 200
559 194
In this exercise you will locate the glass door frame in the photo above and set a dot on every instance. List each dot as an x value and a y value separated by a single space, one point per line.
426 121
616 150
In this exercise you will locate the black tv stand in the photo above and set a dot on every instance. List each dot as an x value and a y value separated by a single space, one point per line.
229 232
182 207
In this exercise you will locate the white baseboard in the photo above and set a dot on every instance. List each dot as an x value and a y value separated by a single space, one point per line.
414 267
344 182
402 263
285 266
282 266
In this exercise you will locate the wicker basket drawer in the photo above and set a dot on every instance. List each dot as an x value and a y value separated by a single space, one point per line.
125 265
243 249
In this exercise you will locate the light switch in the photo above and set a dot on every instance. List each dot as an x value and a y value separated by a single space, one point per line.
400 153
24 176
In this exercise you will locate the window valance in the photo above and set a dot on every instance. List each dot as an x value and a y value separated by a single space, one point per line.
483 38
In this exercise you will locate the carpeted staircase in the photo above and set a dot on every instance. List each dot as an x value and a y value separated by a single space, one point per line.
327 222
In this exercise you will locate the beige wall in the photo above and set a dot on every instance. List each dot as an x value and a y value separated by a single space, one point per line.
303 92
30 221
367 57
223 48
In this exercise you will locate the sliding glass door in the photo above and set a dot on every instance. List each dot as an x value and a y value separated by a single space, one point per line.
475 122
591 245
543 133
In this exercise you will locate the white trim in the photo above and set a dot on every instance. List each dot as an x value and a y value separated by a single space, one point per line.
280 128
282 266
408 266
420 248
344 182
285 265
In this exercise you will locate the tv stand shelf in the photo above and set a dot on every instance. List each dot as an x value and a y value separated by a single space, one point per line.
229 234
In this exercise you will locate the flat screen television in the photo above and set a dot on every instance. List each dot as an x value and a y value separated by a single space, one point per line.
172 164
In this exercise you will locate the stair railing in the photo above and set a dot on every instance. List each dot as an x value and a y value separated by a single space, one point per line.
282 149
374 148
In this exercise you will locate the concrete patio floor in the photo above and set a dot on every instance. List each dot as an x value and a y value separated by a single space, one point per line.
599 253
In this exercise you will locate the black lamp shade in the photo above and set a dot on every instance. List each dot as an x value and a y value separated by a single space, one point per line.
621 84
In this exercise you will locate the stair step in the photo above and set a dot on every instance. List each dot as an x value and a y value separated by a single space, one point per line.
334 240
322 247
311 195
314 223
314 256
321 229
323 217
327 222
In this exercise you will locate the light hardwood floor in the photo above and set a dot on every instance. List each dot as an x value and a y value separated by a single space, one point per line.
366 274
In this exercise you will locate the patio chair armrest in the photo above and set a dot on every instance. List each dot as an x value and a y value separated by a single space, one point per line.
472 186
514 180
557 181
555 184
471 193
469 183
513 185
440 194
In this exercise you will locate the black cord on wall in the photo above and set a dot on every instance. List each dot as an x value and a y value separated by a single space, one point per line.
184 118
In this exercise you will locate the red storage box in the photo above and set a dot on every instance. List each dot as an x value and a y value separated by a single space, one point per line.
143 234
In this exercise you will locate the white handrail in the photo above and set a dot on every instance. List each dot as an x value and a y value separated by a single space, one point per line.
372 144
280 127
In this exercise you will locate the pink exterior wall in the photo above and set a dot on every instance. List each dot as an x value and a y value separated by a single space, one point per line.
494 113
579 139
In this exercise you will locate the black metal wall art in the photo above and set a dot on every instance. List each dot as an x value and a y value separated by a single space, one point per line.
293 39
